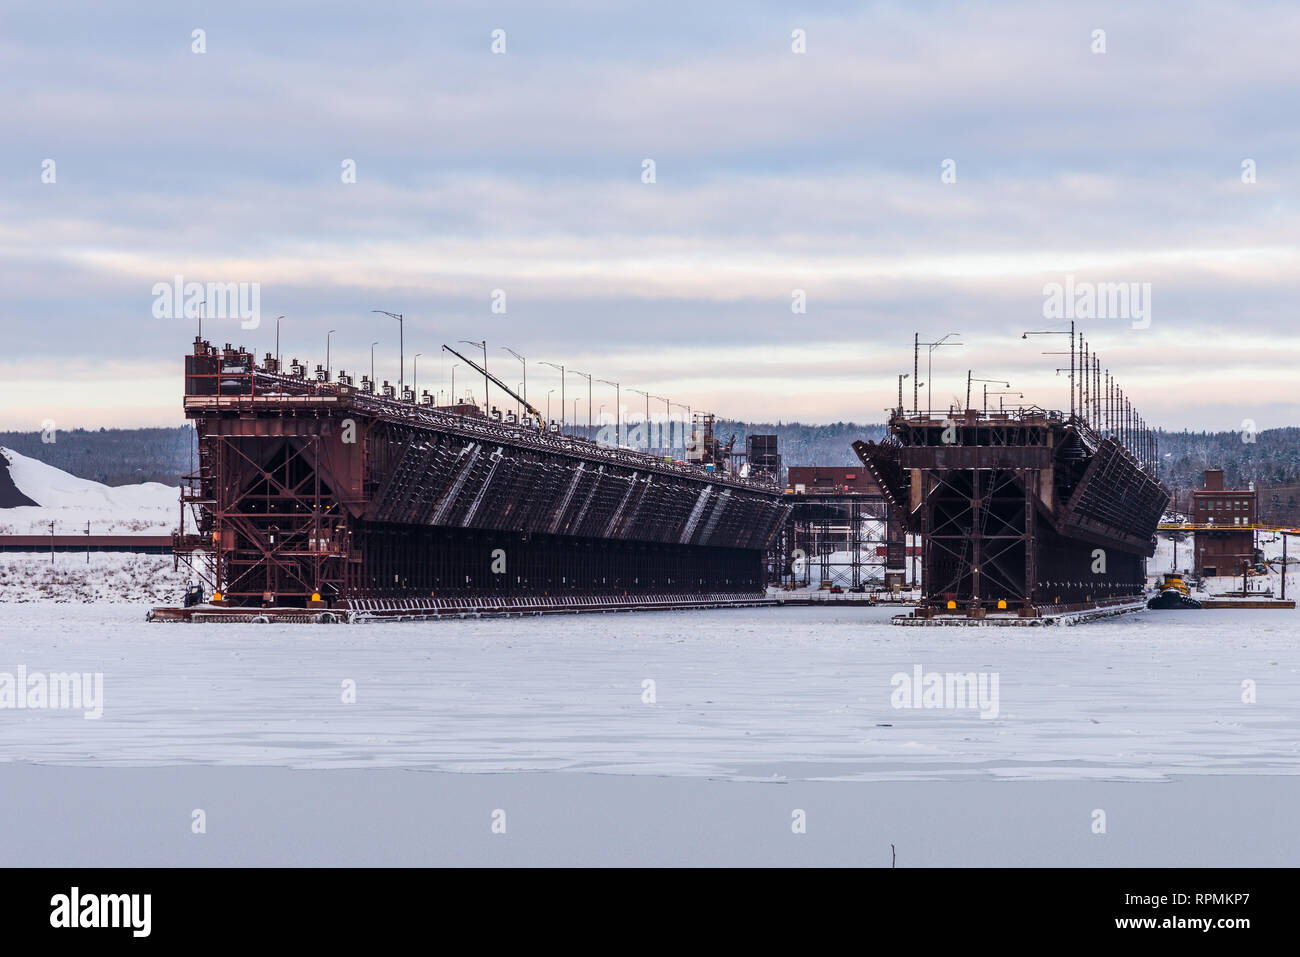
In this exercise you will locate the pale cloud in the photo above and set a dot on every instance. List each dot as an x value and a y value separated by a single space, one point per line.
775 171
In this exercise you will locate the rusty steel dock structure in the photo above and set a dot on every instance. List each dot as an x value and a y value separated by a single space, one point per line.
314 494
1029 512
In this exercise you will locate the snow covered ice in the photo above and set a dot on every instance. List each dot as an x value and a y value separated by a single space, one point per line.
1142 716
746 694
647 738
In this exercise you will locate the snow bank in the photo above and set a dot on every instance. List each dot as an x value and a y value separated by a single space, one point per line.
108 577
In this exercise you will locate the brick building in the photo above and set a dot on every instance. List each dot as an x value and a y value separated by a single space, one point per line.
813 479
1224 549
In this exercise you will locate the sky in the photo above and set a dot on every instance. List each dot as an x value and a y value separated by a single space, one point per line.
919 167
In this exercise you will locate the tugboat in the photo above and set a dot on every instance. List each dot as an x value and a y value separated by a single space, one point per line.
1173 593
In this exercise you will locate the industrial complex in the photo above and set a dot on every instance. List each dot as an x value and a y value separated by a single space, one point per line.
315 496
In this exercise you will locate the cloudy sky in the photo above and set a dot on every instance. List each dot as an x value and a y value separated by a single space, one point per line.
775 171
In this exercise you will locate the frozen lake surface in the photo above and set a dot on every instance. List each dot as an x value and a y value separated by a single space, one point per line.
758 694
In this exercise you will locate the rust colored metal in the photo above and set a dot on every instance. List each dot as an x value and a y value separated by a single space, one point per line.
314 493
1025 512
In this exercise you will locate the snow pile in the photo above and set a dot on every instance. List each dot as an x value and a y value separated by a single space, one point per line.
70 502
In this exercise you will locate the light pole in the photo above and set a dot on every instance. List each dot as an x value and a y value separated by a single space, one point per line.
586 376
278 368
548 408
454 367
970 379
415 376
372 365
668 412
1001 408
327 353
401 346
929 364
647 417
1026 335
618 413
487 404
561 368
900 391
688 419
524 362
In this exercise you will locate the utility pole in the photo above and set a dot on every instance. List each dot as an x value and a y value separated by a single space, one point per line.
1284 538
1096 391
916 372
51 543
1072 386
1107 395
87 541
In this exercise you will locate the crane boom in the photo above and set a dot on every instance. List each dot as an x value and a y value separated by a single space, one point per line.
501 385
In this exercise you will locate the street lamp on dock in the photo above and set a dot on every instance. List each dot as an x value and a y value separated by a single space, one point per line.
401 347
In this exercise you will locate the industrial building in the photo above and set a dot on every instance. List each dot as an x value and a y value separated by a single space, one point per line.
1225 521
